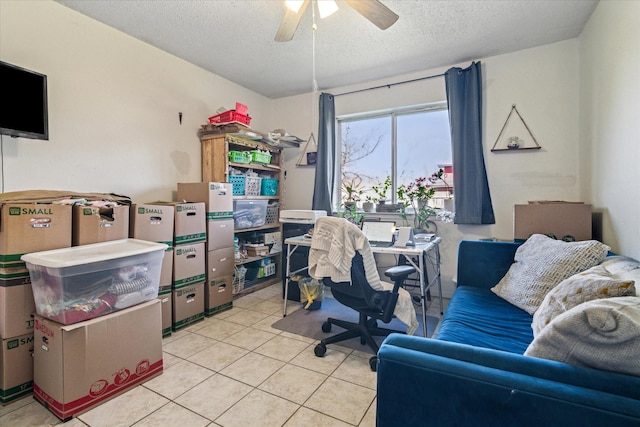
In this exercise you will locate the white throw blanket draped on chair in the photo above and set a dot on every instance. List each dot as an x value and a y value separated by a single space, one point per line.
334 244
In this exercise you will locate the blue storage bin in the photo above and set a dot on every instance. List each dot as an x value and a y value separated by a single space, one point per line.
269 187
238 182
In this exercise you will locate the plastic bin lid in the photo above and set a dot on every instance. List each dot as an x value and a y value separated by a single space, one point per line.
95 252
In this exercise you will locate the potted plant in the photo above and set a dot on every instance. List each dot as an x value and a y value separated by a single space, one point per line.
416 195
351 214
353 196
369 203
351 192
380 190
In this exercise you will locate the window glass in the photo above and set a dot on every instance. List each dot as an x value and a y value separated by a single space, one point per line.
402 144
365 153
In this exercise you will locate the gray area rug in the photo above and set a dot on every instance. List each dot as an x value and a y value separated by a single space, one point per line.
308 323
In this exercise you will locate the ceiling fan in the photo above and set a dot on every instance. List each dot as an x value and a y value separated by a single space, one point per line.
380 15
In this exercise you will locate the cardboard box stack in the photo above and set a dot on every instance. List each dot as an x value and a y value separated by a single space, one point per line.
81 359
27 224
155 222
218 201
189 264
97 324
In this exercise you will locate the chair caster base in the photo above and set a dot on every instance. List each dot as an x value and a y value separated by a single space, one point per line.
326 327
373 363
320 350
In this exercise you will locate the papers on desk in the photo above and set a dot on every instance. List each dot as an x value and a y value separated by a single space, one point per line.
424 237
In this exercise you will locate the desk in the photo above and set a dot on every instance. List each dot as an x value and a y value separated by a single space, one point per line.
429 250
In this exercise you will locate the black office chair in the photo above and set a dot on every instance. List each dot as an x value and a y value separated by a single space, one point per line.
371 304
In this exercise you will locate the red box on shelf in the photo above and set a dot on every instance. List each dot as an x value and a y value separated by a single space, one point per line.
242 109
230 116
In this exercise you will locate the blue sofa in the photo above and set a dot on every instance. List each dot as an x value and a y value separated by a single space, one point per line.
475 374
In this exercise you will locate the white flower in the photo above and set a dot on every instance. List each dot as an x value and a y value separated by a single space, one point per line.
445 215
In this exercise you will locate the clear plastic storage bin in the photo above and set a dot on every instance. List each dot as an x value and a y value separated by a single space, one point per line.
74 284
249 213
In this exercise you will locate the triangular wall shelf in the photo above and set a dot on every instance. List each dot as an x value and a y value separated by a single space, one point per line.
309 153
514 143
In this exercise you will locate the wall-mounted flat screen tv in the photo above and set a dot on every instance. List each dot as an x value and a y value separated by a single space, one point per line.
24 111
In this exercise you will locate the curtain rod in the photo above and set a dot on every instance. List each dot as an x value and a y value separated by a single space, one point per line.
390 84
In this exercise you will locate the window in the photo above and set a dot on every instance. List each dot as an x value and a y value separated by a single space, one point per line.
403 144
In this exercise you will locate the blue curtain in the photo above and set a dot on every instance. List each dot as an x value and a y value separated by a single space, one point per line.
325 161
464 96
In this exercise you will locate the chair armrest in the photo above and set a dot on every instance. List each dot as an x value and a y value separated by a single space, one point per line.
398 275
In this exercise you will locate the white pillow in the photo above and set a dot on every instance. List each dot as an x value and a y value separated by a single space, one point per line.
541 263
594 283
623 267
601 334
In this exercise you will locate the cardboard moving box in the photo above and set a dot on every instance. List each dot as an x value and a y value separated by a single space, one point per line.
188 305
561 219
220 234
218 295
13 272
167 311
80 366
220 262
30 227
93 224
166 274
152 222
17 309
217 197
16 368
190 223
189 264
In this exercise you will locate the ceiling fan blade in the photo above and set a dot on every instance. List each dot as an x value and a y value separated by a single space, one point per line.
290 23
380 15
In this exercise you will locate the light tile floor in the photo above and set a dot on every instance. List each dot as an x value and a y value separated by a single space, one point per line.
234 369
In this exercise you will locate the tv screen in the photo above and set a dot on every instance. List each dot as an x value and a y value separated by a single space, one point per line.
24 110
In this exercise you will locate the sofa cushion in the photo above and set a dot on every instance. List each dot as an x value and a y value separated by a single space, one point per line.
476 316
623 267
601 334
541 263
594 283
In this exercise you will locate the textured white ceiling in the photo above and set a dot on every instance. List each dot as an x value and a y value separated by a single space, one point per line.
234 38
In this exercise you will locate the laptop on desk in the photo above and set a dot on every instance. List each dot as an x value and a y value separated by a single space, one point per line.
379 233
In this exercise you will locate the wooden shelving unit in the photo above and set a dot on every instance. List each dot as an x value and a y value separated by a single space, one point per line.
215 168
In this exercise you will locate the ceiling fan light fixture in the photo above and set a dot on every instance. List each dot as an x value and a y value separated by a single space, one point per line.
373 10
294 5
327 8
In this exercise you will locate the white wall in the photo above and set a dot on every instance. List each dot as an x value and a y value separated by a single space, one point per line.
610 120
541 82
113 107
